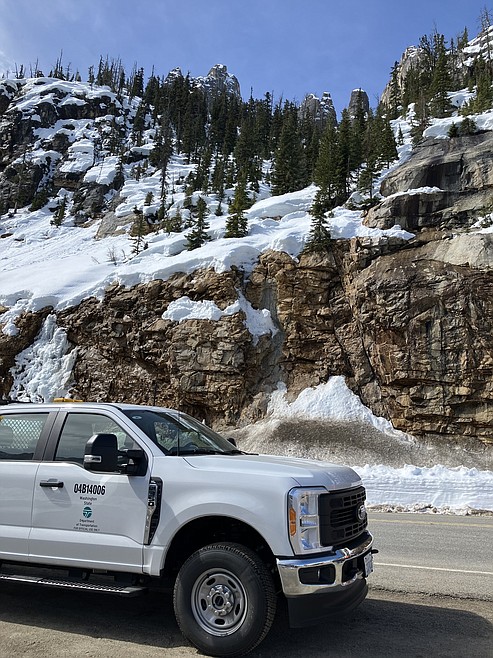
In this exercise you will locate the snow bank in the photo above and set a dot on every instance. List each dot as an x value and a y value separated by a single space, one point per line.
413 488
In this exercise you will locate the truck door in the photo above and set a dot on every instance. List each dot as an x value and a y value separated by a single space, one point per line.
83 518
20 447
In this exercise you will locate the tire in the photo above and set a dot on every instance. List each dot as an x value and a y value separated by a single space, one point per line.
224 599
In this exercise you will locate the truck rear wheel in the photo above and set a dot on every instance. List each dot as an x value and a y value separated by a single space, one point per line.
224 599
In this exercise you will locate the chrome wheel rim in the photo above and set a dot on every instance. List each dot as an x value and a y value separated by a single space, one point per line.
219 602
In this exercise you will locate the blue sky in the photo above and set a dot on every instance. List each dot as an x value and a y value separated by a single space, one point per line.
282 46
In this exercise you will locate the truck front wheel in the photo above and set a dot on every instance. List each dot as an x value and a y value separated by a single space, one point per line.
224 599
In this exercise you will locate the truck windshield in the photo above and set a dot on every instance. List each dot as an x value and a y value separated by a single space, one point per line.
179 434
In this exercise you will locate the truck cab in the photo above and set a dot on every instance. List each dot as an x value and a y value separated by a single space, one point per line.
122 498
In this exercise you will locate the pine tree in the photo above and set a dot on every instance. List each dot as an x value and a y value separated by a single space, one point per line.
441 82
237 223
175 223
162 215
136 83
342 173
463 39
41 198
289 166
119 178
218 176
139 123
453 131
411 87
138 231
198 236
325 168
421 119
395 92
467 126
319 240
484 93
163 147
358 129
387 151
246 151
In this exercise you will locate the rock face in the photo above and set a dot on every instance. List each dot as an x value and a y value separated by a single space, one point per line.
410 326
46 102
411 58
126 350
458 173
425 316
215 83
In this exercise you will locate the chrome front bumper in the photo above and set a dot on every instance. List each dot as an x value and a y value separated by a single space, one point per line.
326 572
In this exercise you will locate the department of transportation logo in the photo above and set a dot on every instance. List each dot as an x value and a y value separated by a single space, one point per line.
87 512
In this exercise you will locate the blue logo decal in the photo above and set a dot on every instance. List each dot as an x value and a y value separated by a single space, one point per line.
87 512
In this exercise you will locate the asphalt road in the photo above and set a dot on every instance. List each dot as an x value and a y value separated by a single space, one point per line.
426 599
434 554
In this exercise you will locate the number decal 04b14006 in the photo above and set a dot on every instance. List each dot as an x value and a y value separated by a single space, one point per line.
98 489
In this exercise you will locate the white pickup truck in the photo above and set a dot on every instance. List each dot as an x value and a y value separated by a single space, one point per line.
120 498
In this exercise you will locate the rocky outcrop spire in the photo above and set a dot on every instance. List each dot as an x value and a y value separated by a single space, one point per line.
318 109
359 99
410 59
219 81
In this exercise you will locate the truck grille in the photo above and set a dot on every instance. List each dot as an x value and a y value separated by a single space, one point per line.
338 511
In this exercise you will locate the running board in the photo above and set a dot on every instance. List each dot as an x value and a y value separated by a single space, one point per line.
131 590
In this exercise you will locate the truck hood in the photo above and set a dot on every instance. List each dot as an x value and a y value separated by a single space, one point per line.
305 472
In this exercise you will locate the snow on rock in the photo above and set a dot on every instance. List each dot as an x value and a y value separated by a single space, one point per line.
43 370
185 309
440 127
416 190
80 158
103 173
258 321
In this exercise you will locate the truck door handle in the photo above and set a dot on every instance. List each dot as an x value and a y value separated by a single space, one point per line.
55 484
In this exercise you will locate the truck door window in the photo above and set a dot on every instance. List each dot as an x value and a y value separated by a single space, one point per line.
19 434
179 434
78 429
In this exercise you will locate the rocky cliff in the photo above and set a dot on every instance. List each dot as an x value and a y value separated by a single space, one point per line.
407 322
445 184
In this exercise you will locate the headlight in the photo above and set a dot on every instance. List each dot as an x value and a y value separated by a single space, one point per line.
303 520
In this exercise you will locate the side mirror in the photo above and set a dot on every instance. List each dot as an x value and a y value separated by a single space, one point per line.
101 453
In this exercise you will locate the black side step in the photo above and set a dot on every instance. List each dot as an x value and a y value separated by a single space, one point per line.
131 590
